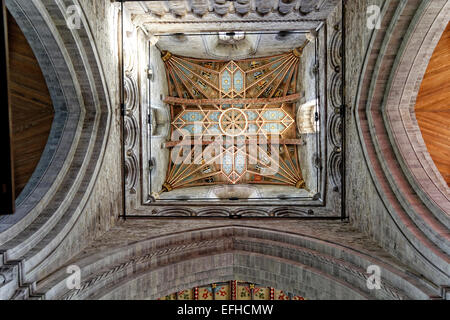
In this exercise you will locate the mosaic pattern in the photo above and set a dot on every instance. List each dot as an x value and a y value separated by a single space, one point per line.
232 290
233 121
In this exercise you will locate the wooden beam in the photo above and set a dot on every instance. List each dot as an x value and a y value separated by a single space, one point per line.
171 144
7 194
200 102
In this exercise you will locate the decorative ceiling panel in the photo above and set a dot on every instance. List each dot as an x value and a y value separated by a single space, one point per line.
217 99
225 139
272 77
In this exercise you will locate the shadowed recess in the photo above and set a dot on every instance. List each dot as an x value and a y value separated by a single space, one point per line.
31 105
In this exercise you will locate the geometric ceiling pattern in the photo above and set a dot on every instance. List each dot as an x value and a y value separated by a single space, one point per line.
233 163
233 122
232 290
271 77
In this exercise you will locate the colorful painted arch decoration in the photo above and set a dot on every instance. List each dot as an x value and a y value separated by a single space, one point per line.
232 290
246 111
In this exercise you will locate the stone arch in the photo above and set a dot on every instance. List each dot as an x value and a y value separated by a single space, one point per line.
393 152
66 175
401 122
313 284
295 263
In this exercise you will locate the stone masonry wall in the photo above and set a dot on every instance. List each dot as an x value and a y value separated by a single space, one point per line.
364 207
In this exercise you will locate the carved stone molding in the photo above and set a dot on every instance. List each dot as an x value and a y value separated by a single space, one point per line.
336 91
131 171
202 9
236 213
131 92
335 168
336 48
130 130
335 124
132 99
335 130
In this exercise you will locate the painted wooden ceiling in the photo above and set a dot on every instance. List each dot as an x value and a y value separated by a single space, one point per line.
233 122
